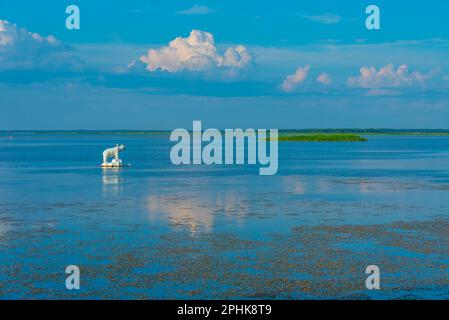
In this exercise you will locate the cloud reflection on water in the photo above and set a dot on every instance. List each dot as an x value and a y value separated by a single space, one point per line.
197 212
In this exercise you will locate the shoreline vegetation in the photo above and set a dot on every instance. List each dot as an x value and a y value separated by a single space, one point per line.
322 137
284 134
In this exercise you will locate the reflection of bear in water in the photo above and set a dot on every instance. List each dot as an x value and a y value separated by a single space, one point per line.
112 152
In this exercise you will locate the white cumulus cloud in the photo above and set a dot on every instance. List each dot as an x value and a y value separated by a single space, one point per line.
386 77
324 78
292 81
197 52
21 49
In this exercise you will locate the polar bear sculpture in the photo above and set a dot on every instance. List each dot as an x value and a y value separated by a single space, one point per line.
113 152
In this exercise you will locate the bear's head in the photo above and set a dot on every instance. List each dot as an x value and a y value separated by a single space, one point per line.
121 147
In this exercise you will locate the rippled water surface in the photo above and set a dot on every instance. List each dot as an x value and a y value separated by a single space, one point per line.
156 230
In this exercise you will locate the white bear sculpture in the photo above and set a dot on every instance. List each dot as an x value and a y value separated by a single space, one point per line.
113 152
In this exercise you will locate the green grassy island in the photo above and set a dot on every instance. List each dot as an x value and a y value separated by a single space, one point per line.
322 137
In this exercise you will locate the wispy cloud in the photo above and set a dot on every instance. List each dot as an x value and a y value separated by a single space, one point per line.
325 18
136 10
383 92
197 9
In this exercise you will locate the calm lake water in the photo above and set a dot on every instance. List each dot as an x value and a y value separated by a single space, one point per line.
156 231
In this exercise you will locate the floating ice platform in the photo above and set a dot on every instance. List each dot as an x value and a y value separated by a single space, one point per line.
115 164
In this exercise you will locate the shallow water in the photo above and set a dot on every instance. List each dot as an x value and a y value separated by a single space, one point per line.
156 230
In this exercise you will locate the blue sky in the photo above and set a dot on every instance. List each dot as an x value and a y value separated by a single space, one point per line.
235 64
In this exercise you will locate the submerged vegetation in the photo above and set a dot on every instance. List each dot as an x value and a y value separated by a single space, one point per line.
322 137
